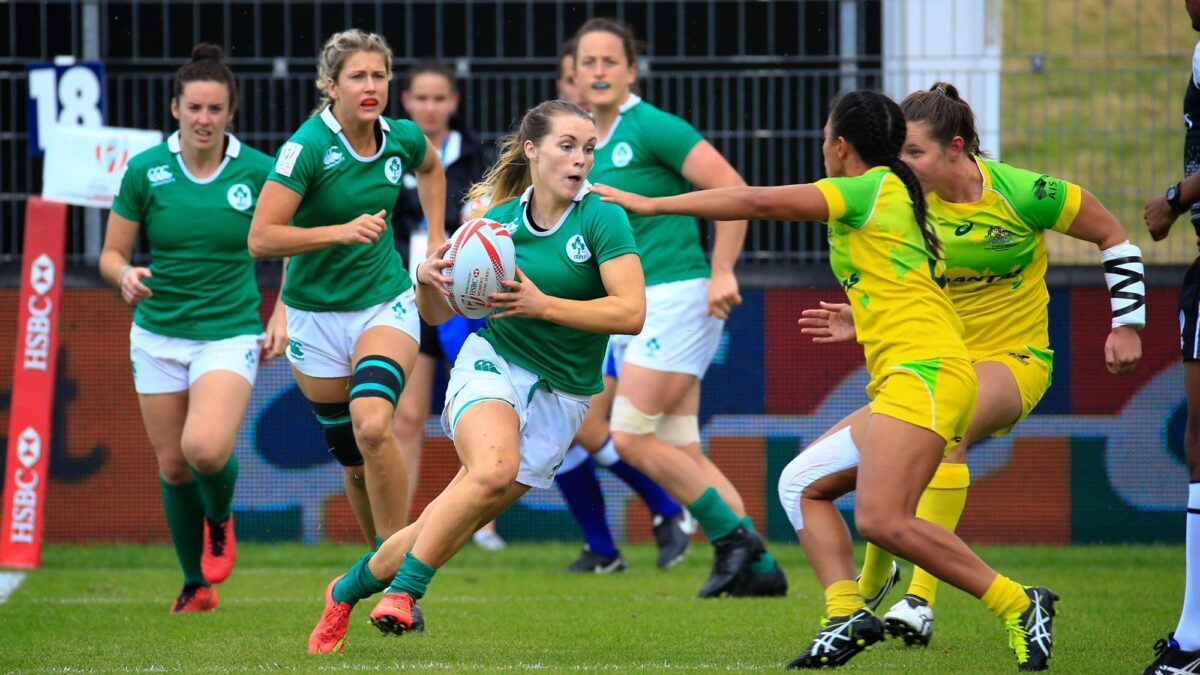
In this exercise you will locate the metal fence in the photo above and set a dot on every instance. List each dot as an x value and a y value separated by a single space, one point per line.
1091 89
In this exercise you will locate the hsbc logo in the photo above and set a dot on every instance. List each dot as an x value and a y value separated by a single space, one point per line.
41 274
29 447
24 506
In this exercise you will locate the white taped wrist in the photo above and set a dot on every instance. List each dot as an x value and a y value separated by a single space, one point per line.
1126 279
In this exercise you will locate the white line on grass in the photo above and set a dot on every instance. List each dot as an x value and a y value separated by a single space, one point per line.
9 581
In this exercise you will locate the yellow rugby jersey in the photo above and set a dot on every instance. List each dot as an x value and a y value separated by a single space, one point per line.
894 284
995 255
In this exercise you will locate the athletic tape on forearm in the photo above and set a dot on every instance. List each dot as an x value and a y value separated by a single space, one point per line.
1126 278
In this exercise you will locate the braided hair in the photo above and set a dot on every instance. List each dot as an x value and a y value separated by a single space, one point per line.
874 125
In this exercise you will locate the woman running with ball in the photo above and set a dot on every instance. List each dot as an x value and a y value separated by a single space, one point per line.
521 386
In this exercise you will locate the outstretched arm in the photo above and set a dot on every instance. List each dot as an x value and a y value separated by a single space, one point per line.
785 202
706 168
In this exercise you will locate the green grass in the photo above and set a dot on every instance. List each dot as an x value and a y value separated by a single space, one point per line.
104 608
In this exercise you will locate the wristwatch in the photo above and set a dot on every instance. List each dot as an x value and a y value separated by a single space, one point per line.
1172 197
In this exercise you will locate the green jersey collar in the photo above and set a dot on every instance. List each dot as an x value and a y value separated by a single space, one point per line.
336 127
625 107
233 147
528 194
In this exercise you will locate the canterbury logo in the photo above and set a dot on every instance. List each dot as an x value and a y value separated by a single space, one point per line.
159 175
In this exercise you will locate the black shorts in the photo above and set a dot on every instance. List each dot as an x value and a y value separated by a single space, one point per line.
431 344
1189 313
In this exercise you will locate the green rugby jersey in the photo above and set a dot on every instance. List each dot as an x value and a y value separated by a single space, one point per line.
644 153
202 275
337 185
563 261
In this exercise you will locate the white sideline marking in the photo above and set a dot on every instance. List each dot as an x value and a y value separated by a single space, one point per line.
9 581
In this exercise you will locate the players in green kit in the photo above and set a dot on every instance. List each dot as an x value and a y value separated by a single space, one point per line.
521 386
196 338
655 415
351 308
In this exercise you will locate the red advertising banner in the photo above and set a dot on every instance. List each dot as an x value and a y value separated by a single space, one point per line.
26 469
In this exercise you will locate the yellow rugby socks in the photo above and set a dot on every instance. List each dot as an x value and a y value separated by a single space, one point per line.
942 502
1006 597
843 599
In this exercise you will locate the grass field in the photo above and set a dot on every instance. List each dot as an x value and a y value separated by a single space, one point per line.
104 609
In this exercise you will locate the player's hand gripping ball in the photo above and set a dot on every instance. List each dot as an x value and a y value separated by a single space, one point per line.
483 255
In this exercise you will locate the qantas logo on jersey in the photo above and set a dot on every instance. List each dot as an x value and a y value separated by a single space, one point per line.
393 170
240 197
989 278
577 249
160 175
333 157
622 154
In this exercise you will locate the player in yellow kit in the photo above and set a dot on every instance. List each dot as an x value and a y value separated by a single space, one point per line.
922 389
991 218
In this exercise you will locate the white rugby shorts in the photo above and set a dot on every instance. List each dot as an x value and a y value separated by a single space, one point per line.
163 364
548 418
678 337
321 344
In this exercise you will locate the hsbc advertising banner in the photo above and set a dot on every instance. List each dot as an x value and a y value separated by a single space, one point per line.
26 467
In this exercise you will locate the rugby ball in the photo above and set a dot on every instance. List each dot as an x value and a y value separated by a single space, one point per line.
483 255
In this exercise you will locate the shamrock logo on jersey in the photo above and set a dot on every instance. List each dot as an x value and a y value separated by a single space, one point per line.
577 249
249 357
622 154
240 197
399 310
393 170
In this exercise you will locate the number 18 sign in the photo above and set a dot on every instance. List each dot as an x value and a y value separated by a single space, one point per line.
71 95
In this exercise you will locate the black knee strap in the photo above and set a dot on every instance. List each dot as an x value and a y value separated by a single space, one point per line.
377 376
334 419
